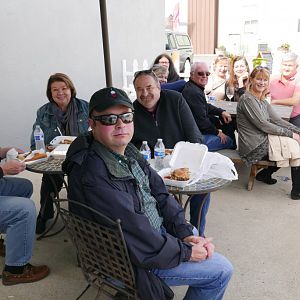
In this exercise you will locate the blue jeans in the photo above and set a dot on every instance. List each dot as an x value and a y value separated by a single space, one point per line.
195 204
17 219
207 280
213 142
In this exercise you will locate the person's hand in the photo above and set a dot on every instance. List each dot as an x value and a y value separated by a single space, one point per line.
194 239
13 167
199 252
206 243
210 248
226 117
242 78
223 137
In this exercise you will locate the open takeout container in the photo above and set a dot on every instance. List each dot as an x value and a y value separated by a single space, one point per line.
60 151
185 155
30 155
62 140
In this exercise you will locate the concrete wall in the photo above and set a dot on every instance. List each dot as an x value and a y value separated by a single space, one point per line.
39 38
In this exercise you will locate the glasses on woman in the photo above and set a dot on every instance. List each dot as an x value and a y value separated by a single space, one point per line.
112 119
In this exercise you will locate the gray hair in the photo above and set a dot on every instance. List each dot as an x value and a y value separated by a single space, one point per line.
160 69
289 56
196 64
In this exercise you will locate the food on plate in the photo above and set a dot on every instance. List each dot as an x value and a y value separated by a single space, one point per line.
36 156
168 151
22 156
66 141
181 174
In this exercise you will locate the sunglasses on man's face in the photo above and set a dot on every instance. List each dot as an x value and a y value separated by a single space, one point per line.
112 119
203 74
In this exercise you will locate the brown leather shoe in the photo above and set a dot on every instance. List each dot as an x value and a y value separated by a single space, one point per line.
30 274
2 248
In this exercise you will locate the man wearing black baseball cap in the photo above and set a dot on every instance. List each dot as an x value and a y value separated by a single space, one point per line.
107 173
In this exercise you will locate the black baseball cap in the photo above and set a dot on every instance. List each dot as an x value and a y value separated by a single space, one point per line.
108 97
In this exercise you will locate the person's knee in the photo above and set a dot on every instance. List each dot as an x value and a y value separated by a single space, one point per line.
27 209
28 186
226 268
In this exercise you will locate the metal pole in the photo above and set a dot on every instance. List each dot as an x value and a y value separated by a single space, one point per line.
105 41
216 25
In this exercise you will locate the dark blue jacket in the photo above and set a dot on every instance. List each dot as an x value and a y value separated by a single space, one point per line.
95 180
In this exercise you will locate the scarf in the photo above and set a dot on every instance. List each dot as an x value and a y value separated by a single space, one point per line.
68 121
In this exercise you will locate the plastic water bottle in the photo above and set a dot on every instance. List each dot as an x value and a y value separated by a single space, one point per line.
145 150
39 138
159 154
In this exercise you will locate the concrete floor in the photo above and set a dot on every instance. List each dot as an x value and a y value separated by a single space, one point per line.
258 231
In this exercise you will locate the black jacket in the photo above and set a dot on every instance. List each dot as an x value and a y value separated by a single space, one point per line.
95 179
173 122
195 97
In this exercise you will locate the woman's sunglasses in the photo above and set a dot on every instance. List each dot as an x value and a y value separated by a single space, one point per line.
112 119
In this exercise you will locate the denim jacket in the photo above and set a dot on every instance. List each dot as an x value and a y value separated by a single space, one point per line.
48 122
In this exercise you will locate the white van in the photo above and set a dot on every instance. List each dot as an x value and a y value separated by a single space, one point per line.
179 47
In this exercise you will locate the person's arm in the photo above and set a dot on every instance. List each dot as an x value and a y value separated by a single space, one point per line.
148 247
198 107
257 117
213 110
294 100
276 119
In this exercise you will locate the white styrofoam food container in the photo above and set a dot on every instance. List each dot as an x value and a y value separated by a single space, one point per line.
58 140
60 150
186 155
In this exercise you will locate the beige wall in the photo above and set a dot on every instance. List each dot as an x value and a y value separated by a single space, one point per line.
203 25
39 38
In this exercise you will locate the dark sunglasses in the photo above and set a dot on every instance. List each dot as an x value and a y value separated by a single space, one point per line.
112 119
202 74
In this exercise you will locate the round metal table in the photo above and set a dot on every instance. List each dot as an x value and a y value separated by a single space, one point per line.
201 187
49 167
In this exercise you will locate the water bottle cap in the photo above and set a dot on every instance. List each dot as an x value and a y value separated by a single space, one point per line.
159 140
145 142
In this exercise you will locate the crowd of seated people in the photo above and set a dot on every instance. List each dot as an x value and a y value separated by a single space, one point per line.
106 161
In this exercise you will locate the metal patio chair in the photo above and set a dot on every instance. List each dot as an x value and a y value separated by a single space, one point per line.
101 251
